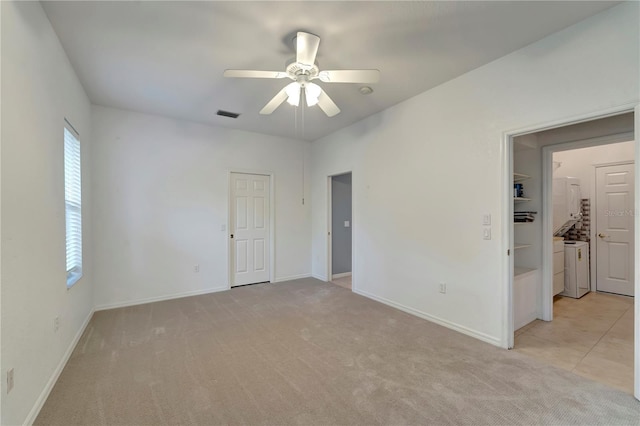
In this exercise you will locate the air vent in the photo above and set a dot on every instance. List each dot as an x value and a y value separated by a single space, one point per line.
227 113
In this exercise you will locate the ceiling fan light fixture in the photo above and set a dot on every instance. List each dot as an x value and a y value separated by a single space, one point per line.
293 93
312 93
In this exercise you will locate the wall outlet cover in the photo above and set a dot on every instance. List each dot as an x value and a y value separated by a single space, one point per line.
10 380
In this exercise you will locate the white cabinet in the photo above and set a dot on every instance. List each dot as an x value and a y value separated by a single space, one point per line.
558 266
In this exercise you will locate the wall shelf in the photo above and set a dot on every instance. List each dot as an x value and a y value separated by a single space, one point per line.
520 199
522 271
520 246
519 177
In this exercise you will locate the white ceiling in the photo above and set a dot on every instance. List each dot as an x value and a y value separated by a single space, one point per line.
168 57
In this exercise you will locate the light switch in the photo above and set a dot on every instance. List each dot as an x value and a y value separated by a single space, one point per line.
346 224
486 219
223 227
486 233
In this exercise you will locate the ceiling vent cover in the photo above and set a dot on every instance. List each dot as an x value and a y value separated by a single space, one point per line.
224 113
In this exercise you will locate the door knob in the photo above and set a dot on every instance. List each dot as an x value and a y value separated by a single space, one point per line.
601 235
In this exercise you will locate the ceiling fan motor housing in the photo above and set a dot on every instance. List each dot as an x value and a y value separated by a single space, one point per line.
300 72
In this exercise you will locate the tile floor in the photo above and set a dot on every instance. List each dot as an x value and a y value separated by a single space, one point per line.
591 336
343 282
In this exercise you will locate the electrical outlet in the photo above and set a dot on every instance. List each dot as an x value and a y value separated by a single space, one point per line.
9 380
196 268
443 288
56 324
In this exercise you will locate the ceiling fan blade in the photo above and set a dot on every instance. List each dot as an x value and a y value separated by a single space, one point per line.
254 74
350 76
307 48
327 105
275 102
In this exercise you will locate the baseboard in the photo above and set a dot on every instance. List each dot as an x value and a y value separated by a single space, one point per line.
291 277
33 414
319 277
342 275
158 298
445 323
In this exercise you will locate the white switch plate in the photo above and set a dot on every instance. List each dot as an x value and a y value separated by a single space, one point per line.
486 233
443 288
223 227
196 268
486 219
346 224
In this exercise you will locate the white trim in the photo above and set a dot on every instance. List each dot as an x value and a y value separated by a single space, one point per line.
272 221
546 304
42 398
319 277
291 277
158 298
615 163
445 323
329 226
507 242
636 344
342 275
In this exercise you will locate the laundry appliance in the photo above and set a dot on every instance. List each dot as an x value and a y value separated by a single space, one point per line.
566 204
576 269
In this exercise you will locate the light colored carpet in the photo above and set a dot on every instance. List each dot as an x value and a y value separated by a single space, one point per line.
310 353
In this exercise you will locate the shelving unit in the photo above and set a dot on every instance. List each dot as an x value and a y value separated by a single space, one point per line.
518 272
518 246
524 279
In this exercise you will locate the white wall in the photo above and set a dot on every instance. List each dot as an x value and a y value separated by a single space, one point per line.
427 169
580 162
161 196
39 89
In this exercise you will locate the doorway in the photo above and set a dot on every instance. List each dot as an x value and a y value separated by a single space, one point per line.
250 228
340 234
569 322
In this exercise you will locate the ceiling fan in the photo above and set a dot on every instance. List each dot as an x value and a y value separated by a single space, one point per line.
303 70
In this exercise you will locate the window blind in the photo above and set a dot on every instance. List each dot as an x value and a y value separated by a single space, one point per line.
73 206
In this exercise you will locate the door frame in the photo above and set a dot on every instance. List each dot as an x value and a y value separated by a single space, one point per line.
330 227
546 304
594 214
508 231
272 222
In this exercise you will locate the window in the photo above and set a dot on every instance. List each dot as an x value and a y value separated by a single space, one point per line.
73 206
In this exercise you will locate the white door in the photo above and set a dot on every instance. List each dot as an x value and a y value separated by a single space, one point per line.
614 229
249 229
